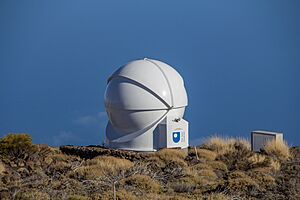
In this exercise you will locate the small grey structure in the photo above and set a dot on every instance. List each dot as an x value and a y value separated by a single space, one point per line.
145 101
259 138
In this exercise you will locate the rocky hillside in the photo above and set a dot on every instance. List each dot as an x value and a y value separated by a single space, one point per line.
219 169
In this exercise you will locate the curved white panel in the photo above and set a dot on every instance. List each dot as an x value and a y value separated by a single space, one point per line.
122 93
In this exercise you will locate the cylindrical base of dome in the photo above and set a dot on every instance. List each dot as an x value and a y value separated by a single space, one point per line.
170 132
143 142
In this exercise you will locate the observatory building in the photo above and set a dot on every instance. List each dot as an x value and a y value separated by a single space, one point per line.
145 102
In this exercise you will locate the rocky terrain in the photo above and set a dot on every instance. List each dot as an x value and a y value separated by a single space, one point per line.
219 169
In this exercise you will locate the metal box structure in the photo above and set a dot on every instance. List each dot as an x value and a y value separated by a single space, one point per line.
173 133
145 102
259 138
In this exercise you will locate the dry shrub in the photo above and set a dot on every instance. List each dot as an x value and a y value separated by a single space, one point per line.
2 168
208 174
218 165
165 197
31 194
59 157
217 196
211 165
120 194
175 156
236 157
224 145
257 159
155 162
183 187
45 150
17 146
240 182
102 166
5 194
166 154
143 182
277 149
200 166
205 154
262 177
61 167
275 165
58 163
77 197
186 184
178 198
202 180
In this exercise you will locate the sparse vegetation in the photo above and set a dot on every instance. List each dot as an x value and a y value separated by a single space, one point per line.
220 169
143 182
100 167
16 146
277 149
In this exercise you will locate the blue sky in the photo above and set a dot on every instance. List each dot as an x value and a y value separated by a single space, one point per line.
240 61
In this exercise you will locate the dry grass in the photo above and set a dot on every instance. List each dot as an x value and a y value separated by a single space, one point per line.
77 197
168 154
120 194
217 196
204 154
224 145
154 160
262 177
208 174
175 156
101 166
165 197
200 166
183 187
238 181
211 165
275 165
218 165
257 159
143 182
57 157
31 194
278 149
2 168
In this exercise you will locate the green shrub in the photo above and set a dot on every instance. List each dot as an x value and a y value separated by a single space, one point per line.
17 146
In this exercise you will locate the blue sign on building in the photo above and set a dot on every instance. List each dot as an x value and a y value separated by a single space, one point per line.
176 137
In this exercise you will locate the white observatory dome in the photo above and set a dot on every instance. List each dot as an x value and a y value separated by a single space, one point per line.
138 97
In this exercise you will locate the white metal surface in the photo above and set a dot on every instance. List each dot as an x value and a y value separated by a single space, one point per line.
260 138
138 97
